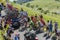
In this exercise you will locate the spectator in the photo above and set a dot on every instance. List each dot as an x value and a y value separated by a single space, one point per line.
3 22
47 25
42 21
23 13
9 6
56 27
1 6
50 29
33 19
47 28
36 17
12 36
31 24
0 20
58 35
50 26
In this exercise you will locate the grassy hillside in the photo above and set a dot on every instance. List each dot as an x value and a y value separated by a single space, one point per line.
51 5
48 4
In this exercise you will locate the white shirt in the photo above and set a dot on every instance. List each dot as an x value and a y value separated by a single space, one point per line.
41 24
12 36
3 13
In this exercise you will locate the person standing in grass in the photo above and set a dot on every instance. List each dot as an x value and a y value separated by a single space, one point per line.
3 22
31 23
50 29
56 27
36 17
9 6
47 29
1 6
42 22
23 13
34 20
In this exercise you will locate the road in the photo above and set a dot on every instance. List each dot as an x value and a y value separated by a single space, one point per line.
40 36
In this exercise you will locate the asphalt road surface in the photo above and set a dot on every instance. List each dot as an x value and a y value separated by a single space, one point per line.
40 36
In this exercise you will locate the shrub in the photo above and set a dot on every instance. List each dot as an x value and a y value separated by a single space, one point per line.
54 13
14 1
28 4
36 5
47 11
40 9
32 6
57 6
57 0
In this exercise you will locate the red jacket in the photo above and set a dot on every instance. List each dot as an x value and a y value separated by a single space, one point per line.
9 21
9 6
42 21
34 19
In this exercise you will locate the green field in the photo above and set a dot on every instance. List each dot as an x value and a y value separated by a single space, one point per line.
51 5
46 4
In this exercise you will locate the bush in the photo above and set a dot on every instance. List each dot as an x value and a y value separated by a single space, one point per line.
57 6
28 4
47 11
36 5
40 9
32 6
57 0
14 1
54 13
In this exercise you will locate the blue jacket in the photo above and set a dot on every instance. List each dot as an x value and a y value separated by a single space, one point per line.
16 38
15 20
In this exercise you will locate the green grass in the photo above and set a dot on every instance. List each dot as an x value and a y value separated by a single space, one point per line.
49 4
